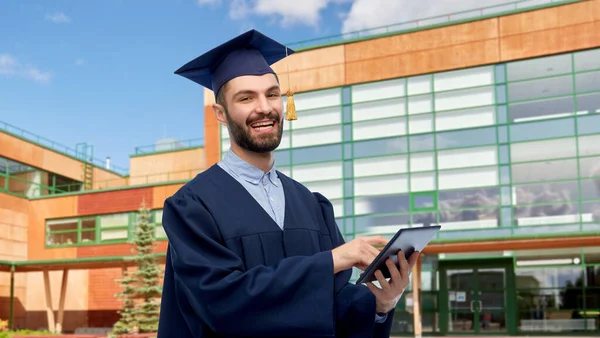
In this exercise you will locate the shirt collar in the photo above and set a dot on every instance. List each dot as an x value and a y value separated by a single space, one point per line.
248 172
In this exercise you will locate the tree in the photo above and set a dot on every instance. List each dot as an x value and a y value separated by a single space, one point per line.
142 285
148 272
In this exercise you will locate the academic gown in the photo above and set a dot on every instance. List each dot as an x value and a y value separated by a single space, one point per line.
232 272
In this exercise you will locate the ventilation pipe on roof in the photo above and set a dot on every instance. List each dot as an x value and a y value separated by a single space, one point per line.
108 162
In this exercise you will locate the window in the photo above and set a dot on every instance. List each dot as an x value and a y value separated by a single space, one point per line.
464 78
424 201
318 171
385 204
467 157
540 88
387 146
587 60
545 109
464 98
466 138
543 150
114 227
587 82
542 130
318 118
539 67
317 154
544 171
62 232
318 99
375 166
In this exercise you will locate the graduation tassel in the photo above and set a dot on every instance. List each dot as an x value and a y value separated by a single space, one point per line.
291 105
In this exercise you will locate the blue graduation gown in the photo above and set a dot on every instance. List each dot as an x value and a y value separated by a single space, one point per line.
232 272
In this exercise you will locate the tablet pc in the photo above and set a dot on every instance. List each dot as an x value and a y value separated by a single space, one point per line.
408 240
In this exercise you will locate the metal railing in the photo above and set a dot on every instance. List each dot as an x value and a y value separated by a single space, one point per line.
26 188
55 146
169 146
429 22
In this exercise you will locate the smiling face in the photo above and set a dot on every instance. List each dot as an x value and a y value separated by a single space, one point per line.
252 108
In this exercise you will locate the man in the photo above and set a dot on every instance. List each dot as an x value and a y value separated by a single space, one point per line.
253 253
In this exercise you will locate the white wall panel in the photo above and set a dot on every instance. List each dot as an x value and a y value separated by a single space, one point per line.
381 185
466 98
475 117
420 104
464 78
379 109
379 128
380 165
542 150
224 131
338 208
419 85
422 182
420 124
422 162
318 171
378 90
318 99
467 157
468 178
285 170
285 141
329 189
589 145
315 136
317 118
225 144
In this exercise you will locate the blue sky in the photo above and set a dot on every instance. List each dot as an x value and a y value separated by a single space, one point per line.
102 71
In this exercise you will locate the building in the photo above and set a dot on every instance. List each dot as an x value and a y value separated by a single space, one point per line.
489 125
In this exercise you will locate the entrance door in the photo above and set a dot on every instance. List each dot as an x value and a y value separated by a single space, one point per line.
477 297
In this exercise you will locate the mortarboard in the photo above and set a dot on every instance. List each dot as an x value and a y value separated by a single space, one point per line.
251 53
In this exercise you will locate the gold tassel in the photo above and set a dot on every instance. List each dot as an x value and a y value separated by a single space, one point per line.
291 107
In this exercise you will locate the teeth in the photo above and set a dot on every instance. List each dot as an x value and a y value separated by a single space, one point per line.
263 124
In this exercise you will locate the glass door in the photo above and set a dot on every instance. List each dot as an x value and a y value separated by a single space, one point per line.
475 298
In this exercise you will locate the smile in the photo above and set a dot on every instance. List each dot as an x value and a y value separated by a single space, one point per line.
263 125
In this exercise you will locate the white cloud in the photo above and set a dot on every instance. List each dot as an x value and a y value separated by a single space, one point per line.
366 14
286 12
9 66
58 18
79 62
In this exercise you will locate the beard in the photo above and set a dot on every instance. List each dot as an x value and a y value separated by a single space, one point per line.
242 135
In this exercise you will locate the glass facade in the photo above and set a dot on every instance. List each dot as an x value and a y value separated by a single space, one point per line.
497 151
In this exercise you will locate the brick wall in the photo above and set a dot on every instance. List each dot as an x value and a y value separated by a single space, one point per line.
114 201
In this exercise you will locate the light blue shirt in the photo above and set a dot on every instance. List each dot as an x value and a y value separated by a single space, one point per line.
266 188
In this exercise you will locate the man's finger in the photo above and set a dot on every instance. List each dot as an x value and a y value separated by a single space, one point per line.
404 269
394 273
412 260
385 286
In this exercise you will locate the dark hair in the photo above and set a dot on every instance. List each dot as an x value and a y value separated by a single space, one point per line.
220 99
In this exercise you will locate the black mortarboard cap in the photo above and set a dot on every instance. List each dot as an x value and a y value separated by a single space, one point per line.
250 53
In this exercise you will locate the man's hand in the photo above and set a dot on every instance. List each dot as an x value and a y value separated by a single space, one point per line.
387 296
356 253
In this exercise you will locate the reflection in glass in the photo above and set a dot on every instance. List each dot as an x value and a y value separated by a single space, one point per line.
540 88
587 82
317 154
421 142
542 130
590 211
587 60
424 219
539 67
383 204
365 223
588 124
388 146
551 108
544 171
466 138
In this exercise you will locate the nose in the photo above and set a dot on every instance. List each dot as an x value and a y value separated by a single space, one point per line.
263 106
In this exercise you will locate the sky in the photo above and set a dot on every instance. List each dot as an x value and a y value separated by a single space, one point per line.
101 72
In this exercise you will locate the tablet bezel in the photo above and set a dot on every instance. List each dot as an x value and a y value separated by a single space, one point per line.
396 245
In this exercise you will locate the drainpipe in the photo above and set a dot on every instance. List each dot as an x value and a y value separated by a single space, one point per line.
11 316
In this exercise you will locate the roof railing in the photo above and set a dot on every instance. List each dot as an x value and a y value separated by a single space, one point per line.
169 146
57 147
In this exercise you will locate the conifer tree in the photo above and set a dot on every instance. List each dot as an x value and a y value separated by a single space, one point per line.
148 273
143 284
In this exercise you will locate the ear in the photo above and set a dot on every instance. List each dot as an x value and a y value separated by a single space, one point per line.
219 111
